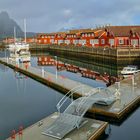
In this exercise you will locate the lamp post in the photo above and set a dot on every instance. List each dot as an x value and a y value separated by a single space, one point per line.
56 66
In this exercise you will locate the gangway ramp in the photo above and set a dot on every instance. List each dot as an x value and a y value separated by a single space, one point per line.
72 117
64 124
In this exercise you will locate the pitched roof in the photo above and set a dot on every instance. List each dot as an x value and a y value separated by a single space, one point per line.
122 30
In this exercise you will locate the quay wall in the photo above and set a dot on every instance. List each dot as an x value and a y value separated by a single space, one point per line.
115 56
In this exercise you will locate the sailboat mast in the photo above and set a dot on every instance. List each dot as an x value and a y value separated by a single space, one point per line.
25 30
14 34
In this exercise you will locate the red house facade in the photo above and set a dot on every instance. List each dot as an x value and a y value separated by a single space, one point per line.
111 36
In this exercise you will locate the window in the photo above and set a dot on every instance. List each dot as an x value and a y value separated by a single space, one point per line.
111 42
42 36
45 41
83 42
91 41
60 41
94 41
83 35
67 41
92 34
134 42
121 41
88 35
102 41
52 41
75 42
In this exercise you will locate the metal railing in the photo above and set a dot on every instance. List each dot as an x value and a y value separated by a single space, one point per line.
69 95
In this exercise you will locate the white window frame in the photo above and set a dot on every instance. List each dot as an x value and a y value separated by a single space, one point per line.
52 41
134 42
92 34
67 42
75 42
102 41
82 41
60 41
121 41
111 42
89 35
96 41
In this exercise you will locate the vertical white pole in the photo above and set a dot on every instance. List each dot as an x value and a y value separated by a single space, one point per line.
42 71
56 65
25 30
133 80
14 34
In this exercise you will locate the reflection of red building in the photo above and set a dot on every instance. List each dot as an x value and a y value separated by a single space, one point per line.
112 36
49 61
72 68
46 60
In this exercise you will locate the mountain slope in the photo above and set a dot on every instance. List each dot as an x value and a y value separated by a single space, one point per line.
7 27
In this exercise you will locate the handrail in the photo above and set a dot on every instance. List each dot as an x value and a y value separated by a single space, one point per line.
64 99
89 94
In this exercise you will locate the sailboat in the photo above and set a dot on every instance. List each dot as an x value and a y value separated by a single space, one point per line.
18 46
20 50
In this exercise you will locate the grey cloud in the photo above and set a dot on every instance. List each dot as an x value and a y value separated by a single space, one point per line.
51 15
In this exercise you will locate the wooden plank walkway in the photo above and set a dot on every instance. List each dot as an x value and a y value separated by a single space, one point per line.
130 91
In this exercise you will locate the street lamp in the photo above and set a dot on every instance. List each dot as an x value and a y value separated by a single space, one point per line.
56 66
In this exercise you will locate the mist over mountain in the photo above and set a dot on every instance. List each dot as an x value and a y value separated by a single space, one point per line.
7 27
64 29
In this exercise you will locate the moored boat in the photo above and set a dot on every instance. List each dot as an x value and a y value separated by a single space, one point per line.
129 70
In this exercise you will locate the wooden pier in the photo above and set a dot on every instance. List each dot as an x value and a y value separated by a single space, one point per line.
91 130
128 88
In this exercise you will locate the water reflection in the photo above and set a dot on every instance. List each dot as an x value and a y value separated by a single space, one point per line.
3 68
23 101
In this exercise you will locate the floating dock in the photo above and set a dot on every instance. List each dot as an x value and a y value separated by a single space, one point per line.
129 90
91 130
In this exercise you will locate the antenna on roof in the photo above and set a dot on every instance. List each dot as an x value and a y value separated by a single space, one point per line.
96 26
100 26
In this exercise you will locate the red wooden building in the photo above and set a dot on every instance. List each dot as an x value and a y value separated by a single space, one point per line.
111 36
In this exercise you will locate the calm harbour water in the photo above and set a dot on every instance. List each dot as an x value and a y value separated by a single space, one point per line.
24 101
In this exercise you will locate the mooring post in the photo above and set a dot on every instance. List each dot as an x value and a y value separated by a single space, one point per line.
133 80
13 134
42 71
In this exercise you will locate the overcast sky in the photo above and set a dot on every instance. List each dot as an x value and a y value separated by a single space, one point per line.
53 15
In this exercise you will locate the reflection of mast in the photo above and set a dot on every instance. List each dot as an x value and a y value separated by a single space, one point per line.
20 82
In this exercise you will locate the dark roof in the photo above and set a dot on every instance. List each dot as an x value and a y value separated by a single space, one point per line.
122 30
